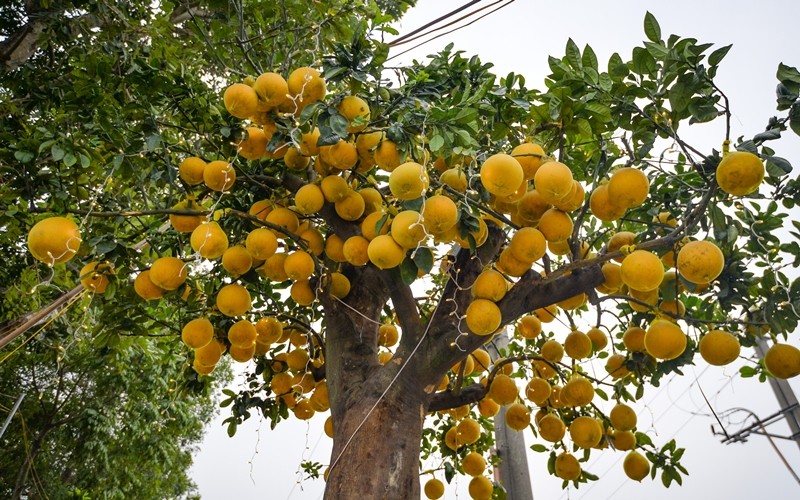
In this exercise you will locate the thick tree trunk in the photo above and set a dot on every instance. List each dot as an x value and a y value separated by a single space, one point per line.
376 448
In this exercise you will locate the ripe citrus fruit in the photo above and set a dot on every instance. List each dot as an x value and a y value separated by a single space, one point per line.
700 261
628 187
578 345
407 229
636 466
664 340
355 109
186 223
579 391
408 181
642 271
552 428
473 464
528 245
434 489
54 240
219 175
489 285
254 145
341 156
306 86
271 89
261 243
145 288
356 250
740 173
209 240
553 180
719 348
191 170
567 467
299 265
240 100
242 333
94 276
237 260
633 339
603 206
439 214
501 175
233 300
503 390
483 317
586 432
529 326
783 360
538 390
480 488
168 273
530 157
555 225
384 252
598 337
197 333
622 417
518 416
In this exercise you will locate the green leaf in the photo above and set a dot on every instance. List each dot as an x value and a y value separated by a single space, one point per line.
153 142
408 271
23 156
589 58
657 50
788 74
232 428
423 258
436 143
70 160
56 152
573 54
778 166
716 57
538 448
651 28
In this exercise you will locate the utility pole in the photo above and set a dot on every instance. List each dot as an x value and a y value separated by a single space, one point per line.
11 415
784 394
509 444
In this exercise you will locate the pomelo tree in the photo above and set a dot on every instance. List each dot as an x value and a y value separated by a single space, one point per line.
269 192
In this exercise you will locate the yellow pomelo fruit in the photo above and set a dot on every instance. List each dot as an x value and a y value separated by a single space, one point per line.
94 276
209 354
531 207
740 173
528 244
240 100
578 345
233 300
356 250
555 225
530 157
299 265
388 335
480 488
355 108
574 200
320 399
586 432
297 360
315 242
503 390
209 240
538 390
553 181
408 229
552 351
145 288
302 293
54 240
598 337
408 181
700 261
370 224
619 240
483 317
551 428
649 298
281 383
547 314
623 440
308 143
455 178
168 273
636 465
340 285
579 391
191 170
260 209
306 86
628 187
482 360
328 427
334 248
285 218
351 207
633 339
271 89
303 410
642 271
613 276
384 252
439 214
434 489
567 467
622 417
518 417
294 160
529 327
254 145
219 175
603 206
387 155
664 340
366 144
272 268
237 260
501 175
469 431
341 156
242 333
197 333
269 329
487 407
510 265
489 285
373 201
451 438
334 188
616 366
186 223
473 464
783 360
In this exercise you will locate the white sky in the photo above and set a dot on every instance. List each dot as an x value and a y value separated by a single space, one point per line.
260 464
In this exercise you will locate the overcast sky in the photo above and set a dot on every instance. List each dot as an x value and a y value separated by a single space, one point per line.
260 464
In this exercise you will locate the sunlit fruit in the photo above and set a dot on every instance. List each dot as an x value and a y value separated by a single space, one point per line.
168 273
145 288
489 285
271 89
219 175
339 285
209 240
439 214
586 432
242 333
622 417
237 260
740 173
407 229
501 175
191 170
503 390
598 337
783 360
186 223
284 218
233 300
240 100
387 155
408 181
518 416
528 244
480 488
473 464
530 157
299 265
633 339
567 467
700 261
538 390
350 207
356 110
94 276
603 206
578 345
334 188
616 366
356 250
54 240
642 271
555 225
306 86
553 180
433 489
483 317
253 145
261 243
664 340
341 156
551 428
529 326
628 187
384 252
579 391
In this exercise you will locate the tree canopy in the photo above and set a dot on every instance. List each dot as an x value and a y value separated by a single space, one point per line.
253 179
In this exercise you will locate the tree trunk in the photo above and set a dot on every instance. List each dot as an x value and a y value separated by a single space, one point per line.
376 448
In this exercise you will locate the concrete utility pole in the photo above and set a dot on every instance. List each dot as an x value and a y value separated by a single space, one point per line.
784 394
510 444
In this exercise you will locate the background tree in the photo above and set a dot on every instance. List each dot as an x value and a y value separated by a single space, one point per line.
435 131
